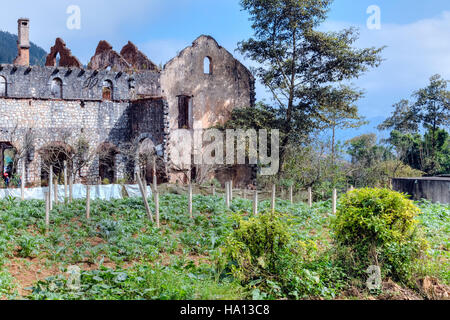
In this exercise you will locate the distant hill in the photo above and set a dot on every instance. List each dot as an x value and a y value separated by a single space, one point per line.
8 50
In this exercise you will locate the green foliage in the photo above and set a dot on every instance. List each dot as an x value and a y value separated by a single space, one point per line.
298 63
265 256
435 221
184 282
6 283
430 111
289 255
373 164
379 227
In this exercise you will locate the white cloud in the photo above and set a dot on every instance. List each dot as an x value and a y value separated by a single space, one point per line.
414 53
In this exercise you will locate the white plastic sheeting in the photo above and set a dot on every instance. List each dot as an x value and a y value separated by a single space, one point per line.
103 192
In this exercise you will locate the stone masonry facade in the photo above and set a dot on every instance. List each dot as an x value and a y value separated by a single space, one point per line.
120 99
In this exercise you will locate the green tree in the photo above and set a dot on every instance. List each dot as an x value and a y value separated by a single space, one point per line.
409 148
367 156
430 111
433 109
339 112
403 118
296 61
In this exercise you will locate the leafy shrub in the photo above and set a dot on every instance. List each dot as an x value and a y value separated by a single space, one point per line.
265 257
28 246
378 227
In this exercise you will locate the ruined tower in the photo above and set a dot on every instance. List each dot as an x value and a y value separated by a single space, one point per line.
23 43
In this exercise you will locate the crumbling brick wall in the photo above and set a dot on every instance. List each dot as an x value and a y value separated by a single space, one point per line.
81 111
214 92
141 101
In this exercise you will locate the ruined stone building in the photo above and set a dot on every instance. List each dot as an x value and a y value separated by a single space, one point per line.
118 101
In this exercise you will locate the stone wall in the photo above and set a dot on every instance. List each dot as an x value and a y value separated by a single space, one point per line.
226 85
65 122
77 84
63 104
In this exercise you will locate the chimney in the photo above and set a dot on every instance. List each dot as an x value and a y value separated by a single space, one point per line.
23 43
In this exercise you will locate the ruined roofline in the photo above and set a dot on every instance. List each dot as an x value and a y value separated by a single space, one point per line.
82 68
31 68
209 38
130 59
77 84
66 57
134 56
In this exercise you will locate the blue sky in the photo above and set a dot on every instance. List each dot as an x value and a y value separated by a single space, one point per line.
416 32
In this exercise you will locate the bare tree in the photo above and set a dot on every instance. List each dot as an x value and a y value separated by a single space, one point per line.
78 155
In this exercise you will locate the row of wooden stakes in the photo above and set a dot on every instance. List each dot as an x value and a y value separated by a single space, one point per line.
142 188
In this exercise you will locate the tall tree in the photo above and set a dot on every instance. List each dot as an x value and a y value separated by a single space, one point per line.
338 111
296 61
431 111
403 118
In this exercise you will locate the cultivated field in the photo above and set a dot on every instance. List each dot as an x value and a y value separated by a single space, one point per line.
122 255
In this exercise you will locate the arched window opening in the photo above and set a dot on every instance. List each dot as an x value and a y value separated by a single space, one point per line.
7 164
107 163
54 156
107 90
2 86
207 65
57 88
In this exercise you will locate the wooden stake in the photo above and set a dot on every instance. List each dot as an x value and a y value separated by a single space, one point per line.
310 197
65 182
47 209
274 191
144 196
155 179
50 186
22 181
213 190
88 202
227 194
231 190
255 203
71 187
55 188
157 208
334 201
190 201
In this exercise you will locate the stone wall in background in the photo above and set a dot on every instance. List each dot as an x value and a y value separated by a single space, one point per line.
120 99
77 84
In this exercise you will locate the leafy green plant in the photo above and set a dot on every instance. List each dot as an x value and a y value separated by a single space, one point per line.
265 256
378 227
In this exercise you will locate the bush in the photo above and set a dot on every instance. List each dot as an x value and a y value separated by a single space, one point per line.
378 227
265 257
